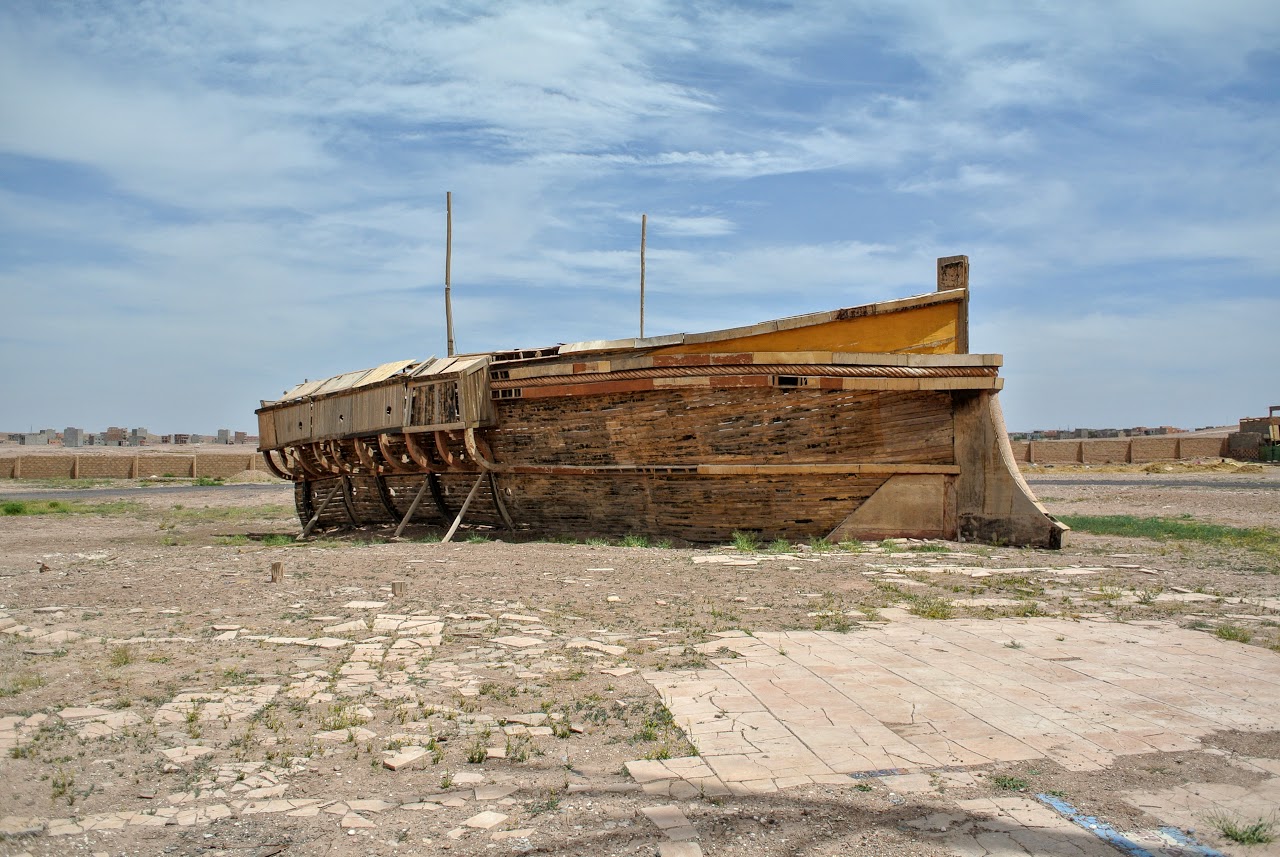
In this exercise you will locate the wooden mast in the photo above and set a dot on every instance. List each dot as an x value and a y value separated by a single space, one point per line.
644 223
448 258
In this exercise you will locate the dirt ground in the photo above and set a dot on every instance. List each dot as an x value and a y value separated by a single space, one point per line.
161 695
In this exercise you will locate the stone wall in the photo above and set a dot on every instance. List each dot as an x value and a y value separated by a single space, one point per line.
1138 450
141 466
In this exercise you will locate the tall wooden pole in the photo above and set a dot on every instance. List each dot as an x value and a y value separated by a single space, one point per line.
448 260
644 224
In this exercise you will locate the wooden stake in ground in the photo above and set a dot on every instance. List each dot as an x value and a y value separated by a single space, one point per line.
457 522
413 507
277 572
397 588
306 531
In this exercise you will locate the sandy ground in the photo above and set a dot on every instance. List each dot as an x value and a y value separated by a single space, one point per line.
162 696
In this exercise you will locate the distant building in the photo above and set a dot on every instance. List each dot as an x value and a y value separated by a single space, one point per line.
224 436
72 437
140 437
241 437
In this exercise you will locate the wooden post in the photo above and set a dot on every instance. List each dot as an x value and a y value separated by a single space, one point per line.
457 522
306 531
412 508
277 572
497 501
953 273
397 589
448 260
644 226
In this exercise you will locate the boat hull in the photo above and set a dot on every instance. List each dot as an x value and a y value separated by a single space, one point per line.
862 423
699 463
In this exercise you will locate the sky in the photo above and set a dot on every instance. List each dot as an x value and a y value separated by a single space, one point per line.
204 203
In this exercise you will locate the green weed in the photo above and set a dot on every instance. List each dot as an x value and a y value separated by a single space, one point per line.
1009 784
550 804
1258 832
746 541
1234 633
121 656
477 752
932 608
341 716
21 683
61 784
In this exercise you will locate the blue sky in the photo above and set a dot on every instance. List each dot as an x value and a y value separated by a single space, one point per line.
204 203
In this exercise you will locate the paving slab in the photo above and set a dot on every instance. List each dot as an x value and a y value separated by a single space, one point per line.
917 695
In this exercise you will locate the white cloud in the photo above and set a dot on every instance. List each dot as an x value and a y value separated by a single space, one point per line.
692 227
235 173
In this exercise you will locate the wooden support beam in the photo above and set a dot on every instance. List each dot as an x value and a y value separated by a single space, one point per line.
457 522
442 449
417 453
497 501
346 501
437 495
404 522
268 457
306 531
393 461
388 502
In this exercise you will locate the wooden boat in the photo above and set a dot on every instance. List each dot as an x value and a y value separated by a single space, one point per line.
861 423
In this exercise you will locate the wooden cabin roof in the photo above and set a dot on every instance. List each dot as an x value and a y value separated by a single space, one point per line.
741 338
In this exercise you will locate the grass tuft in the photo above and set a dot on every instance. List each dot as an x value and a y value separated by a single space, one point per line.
932 608
1258 832
20 683
1008 783
1234 633
121 656
746 541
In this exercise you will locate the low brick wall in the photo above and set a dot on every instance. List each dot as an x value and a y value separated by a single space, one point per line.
1055 451
1202 447
1101 450
1105 451
89 466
